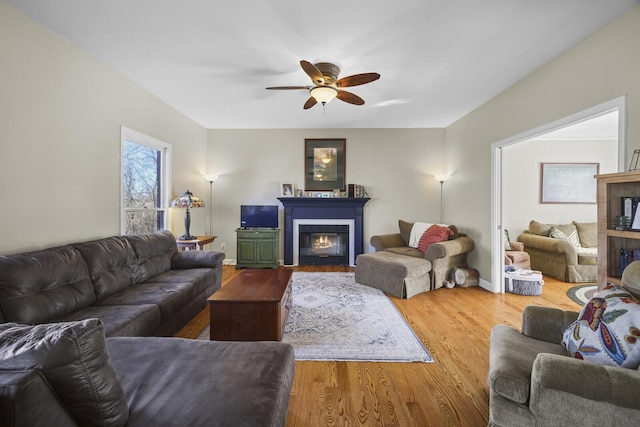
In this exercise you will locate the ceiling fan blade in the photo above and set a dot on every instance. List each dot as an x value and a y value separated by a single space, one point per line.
349 97
313 72
310 103
357 79
287 87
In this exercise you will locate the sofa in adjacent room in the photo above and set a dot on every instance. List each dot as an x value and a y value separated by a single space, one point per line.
138 285
567 252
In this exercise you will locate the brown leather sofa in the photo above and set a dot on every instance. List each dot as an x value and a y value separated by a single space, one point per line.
78 345
138 285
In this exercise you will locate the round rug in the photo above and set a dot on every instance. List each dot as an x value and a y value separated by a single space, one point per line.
581 294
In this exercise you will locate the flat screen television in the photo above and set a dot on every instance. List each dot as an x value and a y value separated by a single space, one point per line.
258 216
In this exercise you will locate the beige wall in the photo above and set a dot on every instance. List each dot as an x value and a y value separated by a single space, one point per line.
521 197
60 114
603 67
394 165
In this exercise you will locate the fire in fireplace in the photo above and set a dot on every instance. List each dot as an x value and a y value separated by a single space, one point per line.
323 245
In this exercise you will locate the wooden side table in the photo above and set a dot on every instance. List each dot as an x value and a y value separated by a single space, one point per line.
198 243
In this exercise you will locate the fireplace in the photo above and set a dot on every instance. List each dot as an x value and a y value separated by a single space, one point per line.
334 212
323 244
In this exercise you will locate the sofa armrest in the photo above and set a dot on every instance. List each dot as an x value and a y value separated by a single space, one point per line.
384 241
551 245
546 323
552 373
517 246
197 259
27 400
461 245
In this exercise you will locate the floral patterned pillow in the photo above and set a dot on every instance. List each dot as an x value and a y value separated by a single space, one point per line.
607 331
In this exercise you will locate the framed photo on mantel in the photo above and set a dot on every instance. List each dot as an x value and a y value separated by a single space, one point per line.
324 164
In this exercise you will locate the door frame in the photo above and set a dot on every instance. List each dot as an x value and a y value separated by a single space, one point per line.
619 103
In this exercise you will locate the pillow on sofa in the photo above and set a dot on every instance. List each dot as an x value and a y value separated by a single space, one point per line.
434 234
74 359
587 233
607 331
539 228
405 230
571 238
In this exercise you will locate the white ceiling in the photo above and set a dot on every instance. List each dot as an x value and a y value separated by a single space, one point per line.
604 126
439 59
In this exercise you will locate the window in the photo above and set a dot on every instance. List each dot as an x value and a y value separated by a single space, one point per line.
145 181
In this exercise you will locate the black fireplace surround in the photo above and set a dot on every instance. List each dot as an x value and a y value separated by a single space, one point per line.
296 208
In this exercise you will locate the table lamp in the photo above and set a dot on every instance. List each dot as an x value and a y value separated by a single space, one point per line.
187 200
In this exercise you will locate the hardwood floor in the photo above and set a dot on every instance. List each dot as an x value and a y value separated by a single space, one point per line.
454 325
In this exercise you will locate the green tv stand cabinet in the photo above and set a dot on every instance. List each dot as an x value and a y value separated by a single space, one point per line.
257 247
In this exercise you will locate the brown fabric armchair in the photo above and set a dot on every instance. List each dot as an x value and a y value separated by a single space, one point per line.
443 256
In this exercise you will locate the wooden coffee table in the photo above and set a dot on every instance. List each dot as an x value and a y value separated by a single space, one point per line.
253 306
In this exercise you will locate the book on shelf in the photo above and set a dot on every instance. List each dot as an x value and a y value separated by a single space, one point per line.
627 256
629 209
355 190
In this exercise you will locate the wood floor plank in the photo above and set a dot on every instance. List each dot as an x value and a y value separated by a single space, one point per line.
453 324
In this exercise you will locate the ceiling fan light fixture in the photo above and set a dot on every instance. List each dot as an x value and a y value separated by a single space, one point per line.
324 94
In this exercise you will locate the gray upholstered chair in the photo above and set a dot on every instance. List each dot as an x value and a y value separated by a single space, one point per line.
533 382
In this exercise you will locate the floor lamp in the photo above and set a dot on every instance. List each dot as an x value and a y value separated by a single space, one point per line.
211 178
441 178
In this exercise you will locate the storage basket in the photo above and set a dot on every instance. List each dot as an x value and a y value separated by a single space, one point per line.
523 282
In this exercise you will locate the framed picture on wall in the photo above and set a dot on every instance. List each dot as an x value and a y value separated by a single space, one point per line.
568 182
324 164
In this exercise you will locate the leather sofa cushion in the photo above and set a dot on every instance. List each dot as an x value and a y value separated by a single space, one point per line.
74 360
236 383
121 320
38 286
30 401
153 252
202 278
111 263
169 297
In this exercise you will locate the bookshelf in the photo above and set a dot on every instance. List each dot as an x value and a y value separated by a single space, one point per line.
614 243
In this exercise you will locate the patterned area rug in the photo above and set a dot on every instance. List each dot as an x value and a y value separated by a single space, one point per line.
581 294
335 318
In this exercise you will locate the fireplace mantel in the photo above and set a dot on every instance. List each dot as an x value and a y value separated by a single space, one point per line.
322 208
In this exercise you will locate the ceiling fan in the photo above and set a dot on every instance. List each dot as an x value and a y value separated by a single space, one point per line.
327 86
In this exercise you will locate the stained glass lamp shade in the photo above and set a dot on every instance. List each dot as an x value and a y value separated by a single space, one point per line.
187 200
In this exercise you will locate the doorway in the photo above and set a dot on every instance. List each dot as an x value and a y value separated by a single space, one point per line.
498 196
